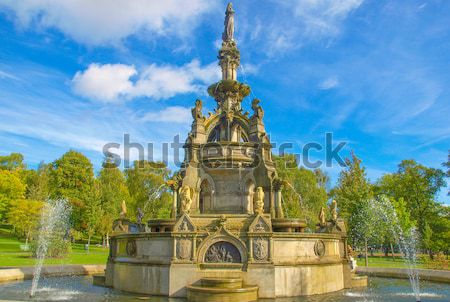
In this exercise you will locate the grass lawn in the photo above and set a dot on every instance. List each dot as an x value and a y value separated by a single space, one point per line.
381 261
11 255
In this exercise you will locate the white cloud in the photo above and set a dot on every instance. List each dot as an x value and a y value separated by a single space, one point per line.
104 82
322 17
329 83
174 114
248 68
6 75
288 25
102 22
111 82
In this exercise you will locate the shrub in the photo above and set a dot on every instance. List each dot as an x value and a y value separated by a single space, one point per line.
58 248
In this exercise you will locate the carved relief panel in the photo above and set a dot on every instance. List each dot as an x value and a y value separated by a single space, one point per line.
222 252
261 249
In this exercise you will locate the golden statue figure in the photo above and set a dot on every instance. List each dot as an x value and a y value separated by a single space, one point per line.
259 200
322 217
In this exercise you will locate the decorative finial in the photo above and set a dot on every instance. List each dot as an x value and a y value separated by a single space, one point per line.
228 32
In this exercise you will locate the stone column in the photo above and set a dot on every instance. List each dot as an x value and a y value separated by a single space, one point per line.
174 251
277 186
272 203
250 249
174 184
270 249
194 247
173 213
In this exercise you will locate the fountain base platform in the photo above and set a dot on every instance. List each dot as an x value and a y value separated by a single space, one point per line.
221 290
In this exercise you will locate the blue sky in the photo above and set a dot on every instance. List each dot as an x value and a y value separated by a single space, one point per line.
79 74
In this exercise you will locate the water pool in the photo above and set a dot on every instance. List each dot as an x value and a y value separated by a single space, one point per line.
81 289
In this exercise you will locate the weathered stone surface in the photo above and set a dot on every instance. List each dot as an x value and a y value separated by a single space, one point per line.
25 273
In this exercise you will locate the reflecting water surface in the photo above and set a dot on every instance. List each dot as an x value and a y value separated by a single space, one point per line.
81 289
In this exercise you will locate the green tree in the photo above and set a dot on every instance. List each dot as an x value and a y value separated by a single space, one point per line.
24 216
11 188
146 184
12 162
72 177
114 190
417 185
440 226
403 214
447 165
395 218
37 182
353 187
304 192
92 212
353 194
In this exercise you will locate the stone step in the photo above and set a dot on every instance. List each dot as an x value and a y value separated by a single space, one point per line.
213 294
221 282
98 280
359 281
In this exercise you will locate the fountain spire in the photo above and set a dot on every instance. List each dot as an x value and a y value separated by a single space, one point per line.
228 92
229 56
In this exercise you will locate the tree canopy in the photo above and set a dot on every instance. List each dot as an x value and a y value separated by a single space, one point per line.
304 192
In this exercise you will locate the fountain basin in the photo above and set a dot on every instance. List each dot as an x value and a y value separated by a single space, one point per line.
221 290
289 225
80 289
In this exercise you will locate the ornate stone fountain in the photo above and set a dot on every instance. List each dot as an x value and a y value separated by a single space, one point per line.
227 237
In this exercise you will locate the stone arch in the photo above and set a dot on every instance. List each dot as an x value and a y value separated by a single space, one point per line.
238 133
205 193
205 197
248 184
224 237
216 129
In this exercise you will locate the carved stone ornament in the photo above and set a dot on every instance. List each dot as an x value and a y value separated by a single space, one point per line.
259 225
260 249
197 110
184 224
186 194
222 252
259 200
258 112
184 247
319 248
322 217
131 248
333 210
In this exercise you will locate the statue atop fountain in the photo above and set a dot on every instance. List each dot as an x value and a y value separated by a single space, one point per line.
228 34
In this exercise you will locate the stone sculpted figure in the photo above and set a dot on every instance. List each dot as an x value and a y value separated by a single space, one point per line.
184 226
333 211
257 109
259 200
123 207
197 110
186 199
229 24
322 217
